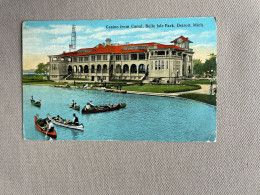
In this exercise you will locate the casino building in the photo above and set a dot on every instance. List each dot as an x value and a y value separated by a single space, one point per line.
146 62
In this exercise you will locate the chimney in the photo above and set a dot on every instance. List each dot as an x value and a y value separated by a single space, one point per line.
108 41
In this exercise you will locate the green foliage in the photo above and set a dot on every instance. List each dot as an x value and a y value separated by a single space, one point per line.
43 68
209 99
198 66
207 67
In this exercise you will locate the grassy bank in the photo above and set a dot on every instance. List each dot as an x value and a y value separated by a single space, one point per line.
200 81
161 88
209 99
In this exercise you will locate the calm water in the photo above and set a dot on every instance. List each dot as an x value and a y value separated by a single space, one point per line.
146 118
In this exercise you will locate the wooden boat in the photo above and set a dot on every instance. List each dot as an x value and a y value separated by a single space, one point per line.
42 129
64 123
97 109
38 103
62 86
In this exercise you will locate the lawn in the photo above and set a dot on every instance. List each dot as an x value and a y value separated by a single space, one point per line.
161 88
209 99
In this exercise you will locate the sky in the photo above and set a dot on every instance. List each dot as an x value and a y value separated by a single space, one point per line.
43 38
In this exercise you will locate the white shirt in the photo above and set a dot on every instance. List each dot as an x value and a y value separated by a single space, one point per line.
50 125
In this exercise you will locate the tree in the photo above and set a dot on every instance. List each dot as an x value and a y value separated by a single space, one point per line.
42 68
198 66
210 64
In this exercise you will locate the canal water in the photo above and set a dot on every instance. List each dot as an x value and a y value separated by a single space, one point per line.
145 118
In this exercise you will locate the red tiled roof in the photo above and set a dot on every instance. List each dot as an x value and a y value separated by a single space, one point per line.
100 49
183 38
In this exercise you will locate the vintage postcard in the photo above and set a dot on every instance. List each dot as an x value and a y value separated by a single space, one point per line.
120 80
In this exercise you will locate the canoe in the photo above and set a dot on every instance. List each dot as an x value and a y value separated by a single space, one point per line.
72 126
38 103
98 109
52 134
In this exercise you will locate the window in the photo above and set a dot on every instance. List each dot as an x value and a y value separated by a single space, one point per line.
74 59
161 53
167 65
118 57
179 53
151 64
111 57
104 78
86 58
141 56
155 65
162 64
126 57
133 56
98 57
174 53
93 58
190 58
104 57
159 65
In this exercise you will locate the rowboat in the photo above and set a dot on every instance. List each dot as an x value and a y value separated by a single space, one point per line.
64 123
38 103
75 107
39 124
97 109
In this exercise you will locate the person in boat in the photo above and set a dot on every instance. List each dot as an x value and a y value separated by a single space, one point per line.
50 126
87 107
75 105
75 120
31 98
72 105
59 119
91 104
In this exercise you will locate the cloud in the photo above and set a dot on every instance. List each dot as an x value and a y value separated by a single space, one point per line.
204 46
61 40
93 30
104 34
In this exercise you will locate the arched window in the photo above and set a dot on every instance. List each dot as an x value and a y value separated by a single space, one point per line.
98 68
80 69
75 69
155 65
141 68
159 64
104 68
133 68
118 68
92 68
86 69
125 68
70 70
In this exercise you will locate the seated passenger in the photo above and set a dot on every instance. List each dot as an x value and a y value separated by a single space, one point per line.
91 105
87 107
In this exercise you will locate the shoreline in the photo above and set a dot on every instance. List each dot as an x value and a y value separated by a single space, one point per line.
170 95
